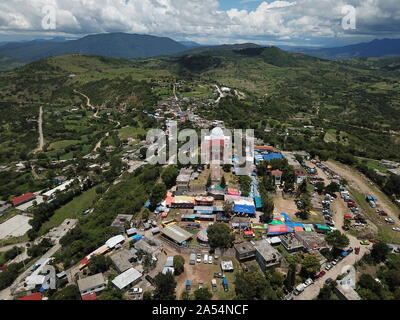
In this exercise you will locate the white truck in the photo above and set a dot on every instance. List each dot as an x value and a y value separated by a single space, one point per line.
299 289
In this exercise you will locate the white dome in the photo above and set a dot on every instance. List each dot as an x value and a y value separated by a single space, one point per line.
217 133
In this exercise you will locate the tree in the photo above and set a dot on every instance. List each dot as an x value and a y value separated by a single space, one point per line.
250 285
157 194
169 176
165 286
380 252
203 294
320 186
179 264
337 239
310 265
209 182
68 293
267 209
333 187
227 167
326 292
223 182
99 264
220 235
228 208
110 294
290 279
147 295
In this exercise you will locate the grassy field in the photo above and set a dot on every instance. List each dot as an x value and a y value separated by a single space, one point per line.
130 132
220 294
385 232
72 209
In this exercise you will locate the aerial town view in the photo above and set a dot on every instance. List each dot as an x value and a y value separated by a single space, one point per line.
247 151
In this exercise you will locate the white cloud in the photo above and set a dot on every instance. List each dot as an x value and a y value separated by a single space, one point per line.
200 19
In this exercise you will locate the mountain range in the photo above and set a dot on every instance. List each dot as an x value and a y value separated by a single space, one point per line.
123 45
383 48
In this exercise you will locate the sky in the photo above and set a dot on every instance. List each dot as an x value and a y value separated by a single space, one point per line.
305 23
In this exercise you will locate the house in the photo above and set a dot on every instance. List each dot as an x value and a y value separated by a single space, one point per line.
123 260
183 180
115 241
244 251
127 279
345 292
291 243
33 297
277 174
92 284
266 255
121 221
176 234
23 199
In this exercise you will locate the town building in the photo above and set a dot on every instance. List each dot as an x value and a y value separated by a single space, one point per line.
127 279
291 243
266 255
23 199
91 284
277 174
123 260
176 234
244 251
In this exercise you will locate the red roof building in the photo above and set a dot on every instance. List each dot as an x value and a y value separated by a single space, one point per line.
36 296
277 173
23 199
89 297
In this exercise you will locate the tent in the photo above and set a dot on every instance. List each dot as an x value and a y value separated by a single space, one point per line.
276 223
238 208
276 230
258 202
286 217
137 237
203 236
298 229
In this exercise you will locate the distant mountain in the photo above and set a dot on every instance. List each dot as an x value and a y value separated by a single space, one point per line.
118 45
224 47
190 44
383 48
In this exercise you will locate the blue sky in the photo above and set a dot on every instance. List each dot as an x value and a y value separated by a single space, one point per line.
271 22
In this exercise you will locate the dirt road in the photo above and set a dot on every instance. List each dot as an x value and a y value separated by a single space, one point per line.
40 128
365 186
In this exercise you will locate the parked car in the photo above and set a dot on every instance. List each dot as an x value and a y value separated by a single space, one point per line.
328 267
350 250
205 260
321 274
299 289
308 282
135 291
329 280
389 220
396 229
201 286
288 298
219 275
365 243
210 259
357 251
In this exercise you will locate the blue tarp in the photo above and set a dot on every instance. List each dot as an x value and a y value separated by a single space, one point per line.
147 204
43 288
225 282
272 156
292 225
287 219
208 212
258 202
344 254
137 237
244 209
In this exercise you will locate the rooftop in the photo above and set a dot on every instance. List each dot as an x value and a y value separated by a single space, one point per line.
266 250
91 282
125 279
244 247
176 233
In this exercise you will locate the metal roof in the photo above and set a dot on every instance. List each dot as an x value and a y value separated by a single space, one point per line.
176 233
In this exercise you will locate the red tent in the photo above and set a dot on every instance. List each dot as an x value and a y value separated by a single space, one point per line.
348 216
35 296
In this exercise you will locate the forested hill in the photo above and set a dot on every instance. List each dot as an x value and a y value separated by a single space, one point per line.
119 45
